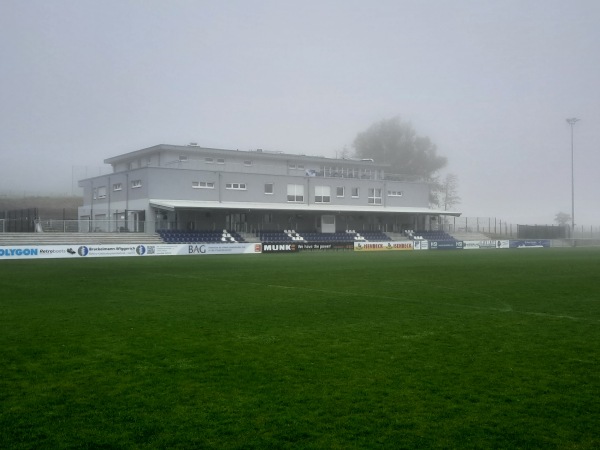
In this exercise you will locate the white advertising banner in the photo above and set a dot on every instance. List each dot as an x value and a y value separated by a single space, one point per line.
95 251
487 244
478 245
421 244
382 246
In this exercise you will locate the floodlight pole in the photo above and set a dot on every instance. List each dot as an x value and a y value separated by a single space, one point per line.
572 122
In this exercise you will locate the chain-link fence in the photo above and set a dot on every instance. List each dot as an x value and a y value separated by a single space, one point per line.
495 227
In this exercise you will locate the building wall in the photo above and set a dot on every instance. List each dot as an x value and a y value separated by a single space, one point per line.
223 176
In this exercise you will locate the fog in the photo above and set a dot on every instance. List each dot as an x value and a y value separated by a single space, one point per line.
491 83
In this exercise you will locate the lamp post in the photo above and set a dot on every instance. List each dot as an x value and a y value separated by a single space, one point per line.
572 122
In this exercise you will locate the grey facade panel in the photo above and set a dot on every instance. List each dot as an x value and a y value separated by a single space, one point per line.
219 183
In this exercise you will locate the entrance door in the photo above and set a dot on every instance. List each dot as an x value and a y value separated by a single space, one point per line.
328 224
236 222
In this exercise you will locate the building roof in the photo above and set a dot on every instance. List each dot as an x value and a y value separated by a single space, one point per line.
172 205
263 154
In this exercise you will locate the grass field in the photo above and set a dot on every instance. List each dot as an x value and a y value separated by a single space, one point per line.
471 349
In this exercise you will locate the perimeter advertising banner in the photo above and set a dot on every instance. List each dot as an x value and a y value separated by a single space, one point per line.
95 251
382 246
530 243
479 245
421 244
302 246
446 245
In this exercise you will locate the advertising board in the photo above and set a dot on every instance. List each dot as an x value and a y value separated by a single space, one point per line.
478 245
279 248
421 244
96 251
530 243
382 246
330 246
446 245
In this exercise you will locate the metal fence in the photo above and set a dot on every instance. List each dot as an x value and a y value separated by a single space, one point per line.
462 226
494 227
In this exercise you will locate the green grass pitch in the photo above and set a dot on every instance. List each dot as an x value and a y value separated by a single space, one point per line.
342 350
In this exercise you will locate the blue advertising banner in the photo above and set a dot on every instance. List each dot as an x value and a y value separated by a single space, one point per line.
530 243
446 245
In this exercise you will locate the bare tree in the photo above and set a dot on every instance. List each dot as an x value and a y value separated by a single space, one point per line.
448 192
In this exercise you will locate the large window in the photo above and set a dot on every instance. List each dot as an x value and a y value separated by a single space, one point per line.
322 194
136 184
374 196
236 186
355 192
295 193
268 188
339 191
102 192
203 184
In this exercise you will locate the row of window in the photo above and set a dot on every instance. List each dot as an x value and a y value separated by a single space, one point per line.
247 163
100 192
329 171
295 192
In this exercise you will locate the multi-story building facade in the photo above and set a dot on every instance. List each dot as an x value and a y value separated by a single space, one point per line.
196 188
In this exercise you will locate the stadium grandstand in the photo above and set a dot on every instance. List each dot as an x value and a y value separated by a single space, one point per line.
196 194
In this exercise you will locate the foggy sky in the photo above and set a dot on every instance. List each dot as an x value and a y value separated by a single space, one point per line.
491 83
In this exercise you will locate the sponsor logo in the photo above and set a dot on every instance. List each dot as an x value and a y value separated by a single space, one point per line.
83 250
257 248
52 252
140 250
18 251
384 246
279 247
196 249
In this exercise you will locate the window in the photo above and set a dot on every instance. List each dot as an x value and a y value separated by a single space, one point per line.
248 163
355 192
220 161
203 184
395 193
322 194
300 166
292 166
136 184
236 186
208 160
374 196
102 192
295 193
339 191
183 158
268 188
117 187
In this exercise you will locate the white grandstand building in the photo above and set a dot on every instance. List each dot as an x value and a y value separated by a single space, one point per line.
171 187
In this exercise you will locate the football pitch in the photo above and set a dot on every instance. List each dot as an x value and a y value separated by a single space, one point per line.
336 350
